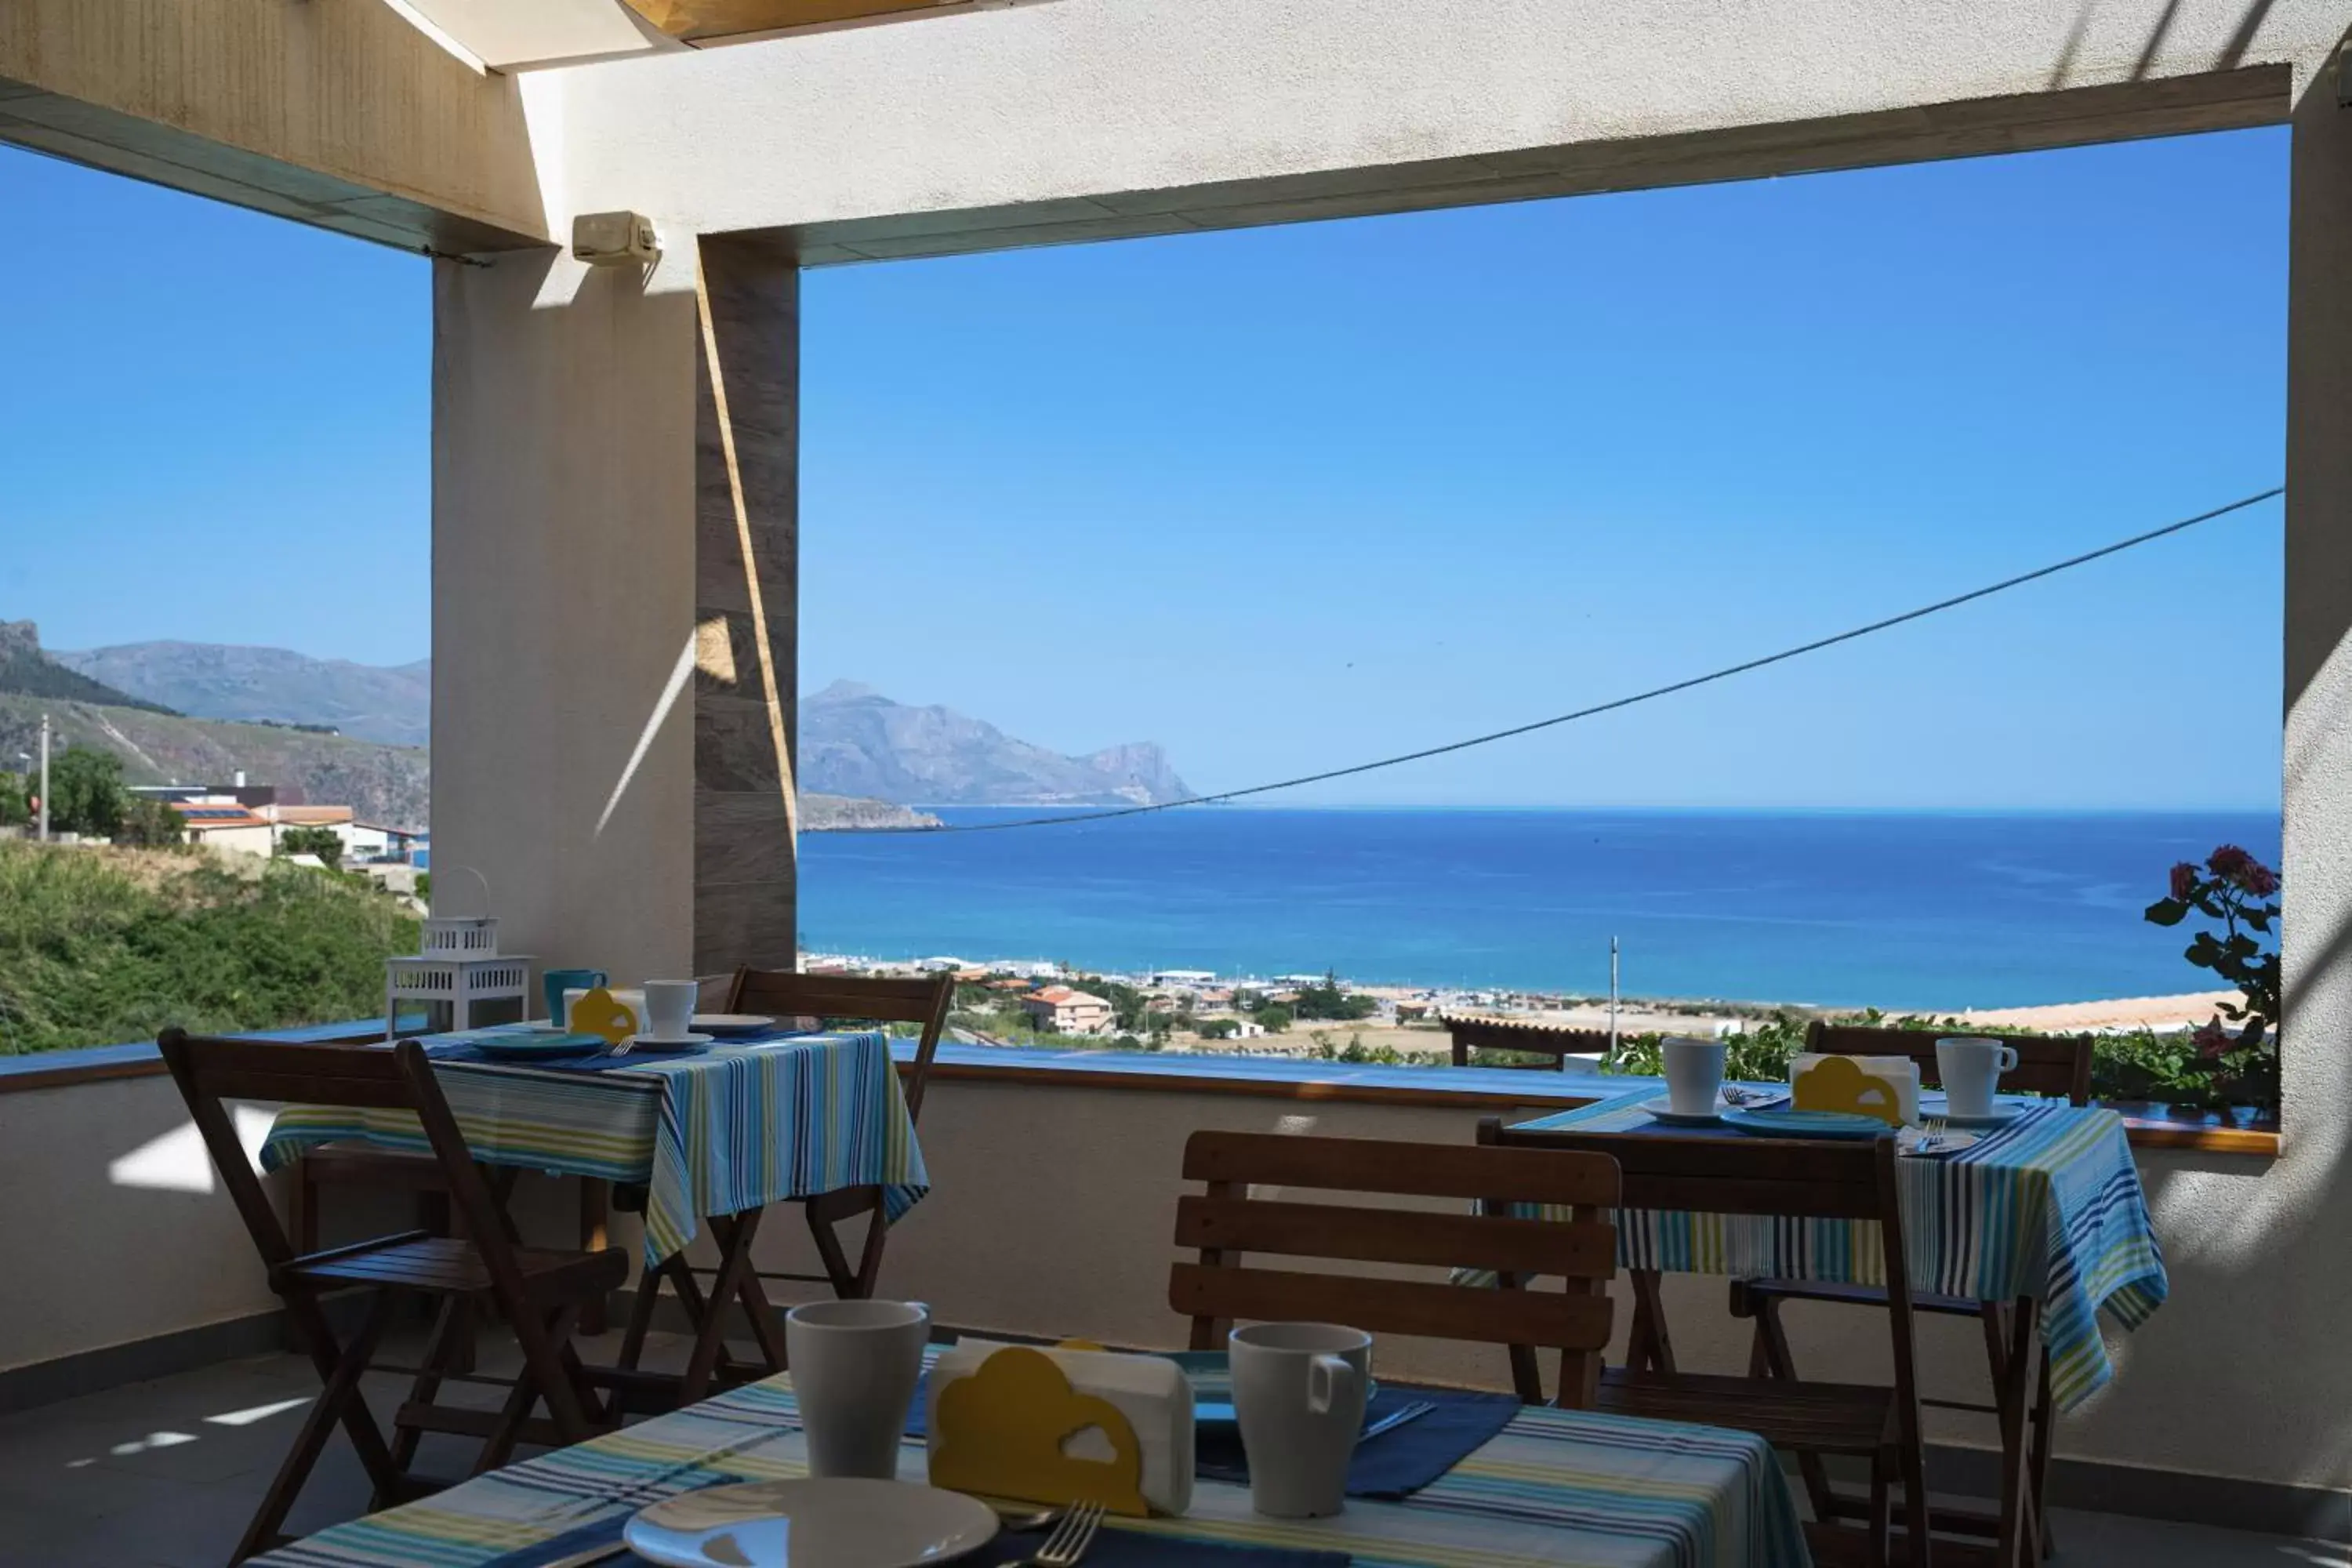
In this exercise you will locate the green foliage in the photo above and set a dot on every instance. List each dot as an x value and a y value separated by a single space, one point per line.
14 811
150 825
1219 1028
1325 1000
2240 892
85 793
424 889
98 947
1274 1016
1355 1050
324 842
1760 1054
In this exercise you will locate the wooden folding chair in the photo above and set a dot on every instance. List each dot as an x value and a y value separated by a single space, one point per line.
1528 1039
1230 1220
2056 1067
783 994
539 1292
1778 1178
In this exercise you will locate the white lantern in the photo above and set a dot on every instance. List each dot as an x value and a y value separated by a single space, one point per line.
458 977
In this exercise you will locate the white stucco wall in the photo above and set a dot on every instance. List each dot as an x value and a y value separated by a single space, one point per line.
1087 98
1051 1211
563 604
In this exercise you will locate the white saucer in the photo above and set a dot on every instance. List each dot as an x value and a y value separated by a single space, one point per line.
1662 1108
1911 1139
683 1042
732 1023
835 1523
2003 1115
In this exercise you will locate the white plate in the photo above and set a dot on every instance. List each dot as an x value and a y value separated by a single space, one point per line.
732 1023
648 1043
1663 1109
831 1523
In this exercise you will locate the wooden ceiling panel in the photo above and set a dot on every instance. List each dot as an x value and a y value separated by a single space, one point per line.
696 20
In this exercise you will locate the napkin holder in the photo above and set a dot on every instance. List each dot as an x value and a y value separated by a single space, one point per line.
1884 1087
1061 1426
599 1012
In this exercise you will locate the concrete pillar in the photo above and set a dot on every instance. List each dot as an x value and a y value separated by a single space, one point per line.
2318 940
614 583
747 555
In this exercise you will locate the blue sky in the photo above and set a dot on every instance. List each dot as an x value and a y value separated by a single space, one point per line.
1282 499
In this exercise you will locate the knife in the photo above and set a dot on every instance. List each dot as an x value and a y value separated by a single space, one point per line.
1397 1419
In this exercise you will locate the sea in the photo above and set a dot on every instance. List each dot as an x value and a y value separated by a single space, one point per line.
1848 908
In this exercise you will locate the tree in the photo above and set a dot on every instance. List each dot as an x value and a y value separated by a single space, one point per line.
1274 1017
324 842
152 824
1328 1000
85 793
14 811
1220 1029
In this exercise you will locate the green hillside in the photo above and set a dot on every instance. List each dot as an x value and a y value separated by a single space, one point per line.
390 786
100 946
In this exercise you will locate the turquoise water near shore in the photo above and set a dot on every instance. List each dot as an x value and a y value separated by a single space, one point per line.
1841 908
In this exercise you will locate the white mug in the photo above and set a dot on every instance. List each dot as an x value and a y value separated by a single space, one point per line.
1298 1393
669 1007
1694 1074
855 1365
1971 1068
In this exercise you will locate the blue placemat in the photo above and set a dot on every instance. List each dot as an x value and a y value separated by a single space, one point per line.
598 1061
1397 1463
1112 1548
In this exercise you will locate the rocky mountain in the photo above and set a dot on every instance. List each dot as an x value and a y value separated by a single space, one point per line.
389 785
854 740
855 743
25 667
212 680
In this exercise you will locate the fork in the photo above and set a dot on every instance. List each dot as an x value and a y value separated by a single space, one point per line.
1070 1538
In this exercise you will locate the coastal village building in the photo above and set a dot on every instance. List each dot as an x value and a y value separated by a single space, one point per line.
1059 1010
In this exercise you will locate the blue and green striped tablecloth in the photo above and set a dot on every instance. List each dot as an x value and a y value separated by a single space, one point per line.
2047 1207
1563 1488
740 1125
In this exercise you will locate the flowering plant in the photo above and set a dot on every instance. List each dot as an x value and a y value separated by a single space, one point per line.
2240 892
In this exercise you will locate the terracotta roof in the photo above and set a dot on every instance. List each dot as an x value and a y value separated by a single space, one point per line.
309 816
206 816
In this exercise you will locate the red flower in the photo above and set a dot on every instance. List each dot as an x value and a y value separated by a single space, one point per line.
2228 862
2184 880
2212 1041
2258 879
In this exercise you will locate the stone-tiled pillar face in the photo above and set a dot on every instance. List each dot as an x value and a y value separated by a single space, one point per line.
747 570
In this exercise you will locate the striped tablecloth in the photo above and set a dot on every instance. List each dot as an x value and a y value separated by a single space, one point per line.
733 1128
1563 1488
2048 1206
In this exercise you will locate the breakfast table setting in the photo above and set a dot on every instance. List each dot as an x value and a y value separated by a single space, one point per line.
882 1449
708 1118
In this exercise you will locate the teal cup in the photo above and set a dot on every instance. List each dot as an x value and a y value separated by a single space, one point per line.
558 980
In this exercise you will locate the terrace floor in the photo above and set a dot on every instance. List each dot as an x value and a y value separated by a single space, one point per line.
164 1475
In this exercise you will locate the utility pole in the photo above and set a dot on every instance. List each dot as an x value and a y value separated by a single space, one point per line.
44 779
1613 998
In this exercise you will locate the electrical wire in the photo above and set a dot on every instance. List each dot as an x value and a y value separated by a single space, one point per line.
1726 673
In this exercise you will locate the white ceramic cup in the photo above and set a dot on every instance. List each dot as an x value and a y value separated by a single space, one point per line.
1298 1393
1694 1074
855 1365
1971 1070
669 1007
